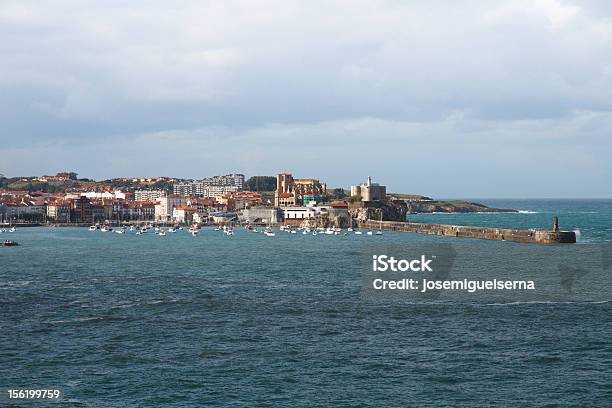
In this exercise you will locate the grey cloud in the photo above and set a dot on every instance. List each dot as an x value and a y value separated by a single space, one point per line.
449 75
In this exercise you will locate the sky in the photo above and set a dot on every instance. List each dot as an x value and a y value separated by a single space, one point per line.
491 99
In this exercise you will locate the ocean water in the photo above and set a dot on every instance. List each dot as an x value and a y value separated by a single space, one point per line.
124 320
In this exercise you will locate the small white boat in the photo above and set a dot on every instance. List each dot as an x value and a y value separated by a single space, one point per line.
369 233
139 232
195 233
172 229
156 229
350 229
293 231
379 232
269 234
92 228
12 229
315 233
119 231
132 228
104 229
358 232
161 233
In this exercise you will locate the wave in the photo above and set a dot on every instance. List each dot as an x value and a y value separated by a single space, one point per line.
578 234
76 320
145 303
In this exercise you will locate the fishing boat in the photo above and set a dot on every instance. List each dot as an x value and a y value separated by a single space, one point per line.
9 243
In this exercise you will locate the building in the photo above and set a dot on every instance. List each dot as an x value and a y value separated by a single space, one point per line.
261 215
215 186
81 210
183 215
200 217
185 189
99 195
314 199
148 195
369 191
58 211
138 211
291 192
143 179
298 214
22 211
239 200
164 209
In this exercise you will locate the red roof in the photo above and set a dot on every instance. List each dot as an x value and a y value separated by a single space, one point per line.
184 208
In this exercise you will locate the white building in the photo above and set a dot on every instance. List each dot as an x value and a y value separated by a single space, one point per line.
148 195
210 187
99 195
164 209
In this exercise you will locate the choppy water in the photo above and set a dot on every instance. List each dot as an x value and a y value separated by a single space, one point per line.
122 320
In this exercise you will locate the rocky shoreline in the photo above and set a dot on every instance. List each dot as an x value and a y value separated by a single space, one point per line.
398 210
415 207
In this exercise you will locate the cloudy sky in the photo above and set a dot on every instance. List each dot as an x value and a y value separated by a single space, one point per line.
446 98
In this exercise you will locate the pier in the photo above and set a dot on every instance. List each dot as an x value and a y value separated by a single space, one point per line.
535 236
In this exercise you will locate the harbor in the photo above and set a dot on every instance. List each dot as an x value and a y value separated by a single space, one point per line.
532 236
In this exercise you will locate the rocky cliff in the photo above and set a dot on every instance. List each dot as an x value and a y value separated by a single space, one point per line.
397 210
450 207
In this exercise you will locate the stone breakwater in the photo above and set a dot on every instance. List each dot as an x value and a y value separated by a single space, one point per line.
461 231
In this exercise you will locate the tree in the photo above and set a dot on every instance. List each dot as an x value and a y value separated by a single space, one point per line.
71 175
338 193
260 183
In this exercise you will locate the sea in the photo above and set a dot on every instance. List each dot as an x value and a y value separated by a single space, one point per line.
121 320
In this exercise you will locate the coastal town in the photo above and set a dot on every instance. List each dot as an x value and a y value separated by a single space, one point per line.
305 204
216 199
